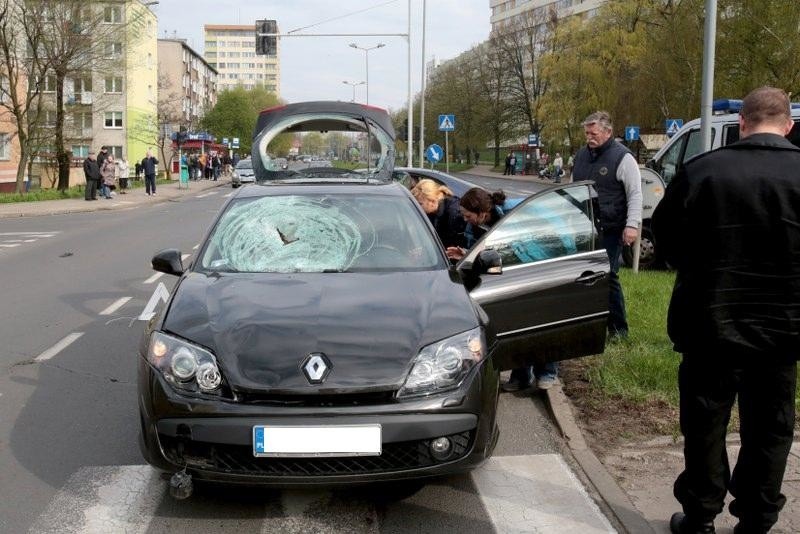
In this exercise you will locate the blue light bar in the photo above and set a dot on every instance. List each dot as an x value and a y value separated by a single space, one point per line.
726 105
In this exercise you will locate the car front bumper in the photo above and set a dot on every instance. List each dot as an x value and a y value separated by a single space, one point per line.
213 440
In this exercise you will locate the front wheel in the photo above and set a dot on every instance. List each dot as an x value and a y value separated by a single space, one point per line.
648 256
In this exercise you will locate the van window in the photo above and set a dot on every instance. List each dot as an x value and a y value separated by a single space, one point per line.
794 134
730 134
687 146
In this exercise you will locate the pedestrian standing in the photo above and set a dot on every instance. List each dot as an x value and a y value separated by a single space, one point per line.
91 172
512 164
558 166
149 165
107 171
619 203
216 163
122 174
730 224
138 170
101 157
507 168
570 165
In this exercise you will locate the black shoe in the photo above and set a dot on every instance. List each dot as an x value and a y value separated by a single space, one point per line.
680 523
741 528
515 385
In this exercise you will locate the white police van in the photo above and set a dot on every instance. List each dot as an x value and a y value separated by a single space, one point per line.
680 148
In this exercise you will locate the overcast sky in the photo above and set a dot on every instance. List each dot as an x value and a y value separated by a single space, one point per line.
313 68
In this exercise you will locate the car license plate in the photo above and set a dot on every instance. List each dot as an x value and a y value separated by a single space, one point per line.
317 441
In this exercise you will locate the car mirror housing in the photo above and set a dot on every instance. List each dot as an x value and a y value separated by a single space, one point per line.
168 261
488 262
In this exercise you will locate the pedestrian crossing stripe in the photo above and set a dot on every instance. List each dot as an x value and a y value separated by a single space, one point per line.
531 493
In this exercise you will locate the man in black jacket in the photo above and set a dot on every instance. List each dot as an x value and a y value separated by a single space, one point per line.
91 172
149 168
730 223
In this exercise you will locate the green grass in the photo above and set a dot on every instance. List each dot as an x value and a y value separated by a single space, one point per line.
72 192
643 367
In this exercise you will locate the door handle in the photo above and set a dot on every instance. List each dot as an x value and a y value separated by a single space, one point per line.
589 278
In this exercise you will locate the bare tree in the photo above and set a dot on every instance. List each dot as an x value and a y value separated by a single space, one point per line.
21 69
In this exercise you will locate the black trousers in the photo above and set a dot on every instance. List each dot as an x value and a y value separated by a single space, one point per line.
90 191
709 383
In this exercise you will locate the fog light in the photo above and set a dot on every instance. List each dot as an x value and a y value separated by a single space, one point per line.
441 448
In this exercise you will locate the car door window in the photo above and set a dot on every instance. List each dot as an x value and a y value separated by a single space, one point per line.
694 145
556 224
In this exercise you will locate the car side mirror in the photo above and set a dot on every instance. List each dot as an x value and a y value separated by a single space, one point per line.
168 261
488 262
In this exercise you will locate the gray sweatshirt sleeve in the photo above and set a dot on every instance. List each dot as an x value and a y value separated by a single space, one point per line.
628 173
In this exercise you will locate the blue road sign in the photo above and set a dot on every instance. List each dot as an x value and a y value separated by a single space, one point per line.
672 126
533 139
434 153
447 123
631 133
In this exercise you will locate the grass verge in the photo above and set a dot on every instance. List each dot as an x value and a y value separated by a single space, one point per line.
72 192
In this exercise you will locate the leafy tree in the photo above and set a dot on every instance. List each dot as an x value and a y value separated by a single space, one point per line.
236 114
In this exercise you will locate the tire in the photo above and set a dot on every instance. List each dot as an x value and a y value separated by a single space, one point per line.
648 255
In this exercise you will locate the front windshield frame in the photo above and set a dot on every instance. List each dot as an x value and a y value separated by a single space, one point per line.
381 170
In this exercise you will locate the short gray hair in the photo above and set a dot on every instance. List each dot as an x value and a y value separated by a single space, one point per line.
603 118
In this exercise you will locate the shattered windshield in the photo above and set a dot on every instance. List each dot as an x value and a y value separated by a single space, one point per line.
320 233
333 145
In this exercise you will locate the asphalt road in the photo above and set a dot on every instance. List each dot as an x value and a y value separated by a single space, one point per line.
72 290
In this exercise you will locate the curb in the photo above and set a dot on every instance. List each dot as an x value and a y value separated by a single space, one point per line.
617 500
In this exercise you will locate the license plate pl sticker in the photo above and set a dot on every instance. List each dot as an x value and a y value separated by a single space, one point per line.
317 441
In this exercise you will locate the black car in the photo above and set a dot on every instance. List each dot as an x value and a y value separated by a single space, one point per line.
321 335
409 176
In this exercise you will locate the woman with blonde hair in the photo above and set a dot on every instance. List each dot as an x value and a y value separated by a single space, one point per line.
442 208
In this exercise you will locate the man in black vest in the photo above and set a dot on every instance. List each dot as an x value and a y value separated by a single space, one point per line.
619 202
730 224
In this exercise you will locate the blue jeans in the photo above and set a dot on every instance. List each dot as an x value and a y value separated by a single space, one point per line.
528 374
105 190
617 320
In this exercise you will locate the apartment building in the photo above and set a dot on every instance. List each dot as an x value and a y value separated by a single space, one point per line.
187 87
507 12
231 50
9 148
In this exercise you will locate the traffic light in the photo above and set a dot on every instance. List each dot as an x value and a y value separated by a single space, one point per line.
266 45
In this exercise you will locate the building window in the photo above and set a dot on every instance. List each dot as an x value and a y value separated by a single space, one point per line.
112 14
271 88
5 147
80 151
49 85
115 151
82 85
113 119
49 118
113 50
211 55
211 44
113 84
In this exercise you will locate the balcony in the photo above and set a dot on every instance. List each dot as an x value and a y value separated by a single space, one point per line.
80 98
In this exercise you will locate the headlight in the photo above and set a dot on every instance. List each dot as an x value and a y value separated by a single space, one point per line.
444 364
186 366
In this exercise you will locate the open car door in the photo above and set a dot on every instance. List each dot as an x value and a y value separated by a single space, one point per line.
551 301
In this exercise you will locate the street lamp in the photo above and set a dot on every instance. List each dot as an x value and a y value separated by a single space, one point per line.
354 84
366 55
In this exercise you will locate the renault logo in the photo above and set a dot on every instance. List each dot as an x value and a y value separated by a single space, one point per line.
316 367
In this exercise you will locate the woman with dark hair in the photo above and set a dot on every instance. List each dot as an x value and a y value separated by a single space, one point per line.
442 208
481 210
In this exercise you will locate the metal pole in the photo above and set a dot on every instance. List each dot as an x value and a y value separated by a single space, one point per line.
410 96
422 92
354 93
709 51
446 152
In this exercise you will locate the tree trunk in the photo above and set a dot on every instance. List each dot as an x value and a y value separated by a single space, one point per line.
62 157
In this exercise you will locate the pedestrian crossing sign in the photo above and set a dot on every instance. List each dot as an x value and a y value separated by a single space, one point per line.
447 123
672 126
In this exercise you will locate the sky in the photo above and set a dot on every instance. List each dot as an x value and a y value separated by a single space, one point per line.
314 68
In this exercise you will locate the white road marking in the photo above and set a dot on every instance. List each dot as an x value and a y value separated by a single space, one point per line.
537 493
196 246
161 293
13 241
58 347
10 246
115 306
228 195
204 195
29 241
38 234
104 499
153 278
184 256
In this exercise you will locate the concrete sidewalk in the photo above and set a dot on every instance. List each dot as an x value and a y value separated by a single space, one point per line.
135 197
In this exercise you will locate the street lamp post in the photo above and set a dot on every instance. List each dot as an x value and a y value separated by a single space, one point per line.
366 55
354 84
